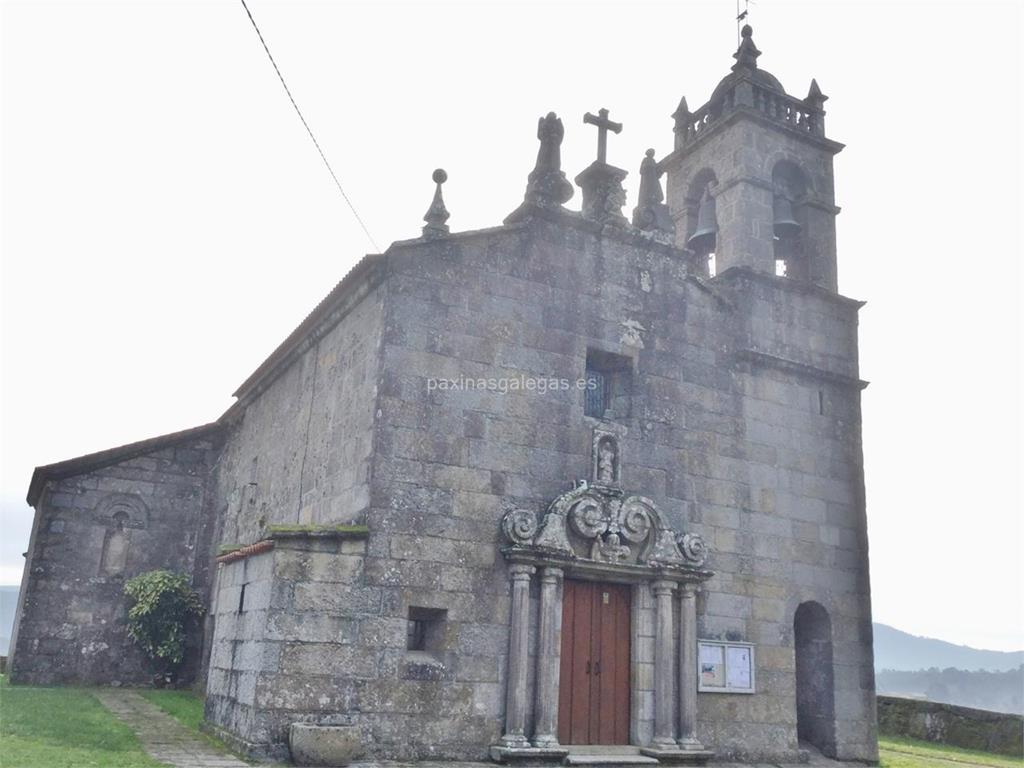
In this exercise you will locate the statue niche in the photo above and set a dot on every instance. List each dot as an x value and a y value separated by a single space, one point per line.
607 458
114 558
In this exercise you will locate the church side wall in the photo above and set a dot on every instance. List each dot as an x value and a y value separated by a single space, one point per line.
70 626
301 452
300 457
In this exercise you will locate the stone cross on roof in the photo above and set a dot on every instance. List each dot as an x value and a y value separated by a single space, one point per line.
603 126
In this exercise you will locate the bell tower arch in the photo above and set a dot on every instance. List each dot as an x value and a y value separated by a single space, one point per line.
753 166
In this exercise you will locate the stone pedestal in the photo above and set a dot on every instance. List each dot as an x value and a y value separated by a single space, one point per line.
603 194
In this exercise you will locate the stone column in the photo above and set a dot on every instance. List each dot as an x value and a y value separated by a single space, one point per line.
688 667
518 658
548 658
663 652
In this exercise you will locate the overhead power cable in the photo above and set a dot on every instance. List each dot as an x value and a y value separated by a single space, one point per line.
309 130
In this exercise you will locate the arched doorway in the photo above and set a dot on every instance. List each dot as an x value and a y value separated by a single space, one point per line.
815 693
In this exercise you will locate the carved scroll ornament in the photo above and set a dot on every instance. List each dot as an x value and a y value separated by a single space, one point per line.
605 525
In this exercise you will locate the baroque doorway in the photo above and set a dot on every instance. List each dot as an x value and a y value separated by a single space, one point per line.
594 698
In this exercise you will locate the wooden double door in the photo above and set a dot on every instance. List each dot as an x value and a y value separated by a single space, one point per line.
594 689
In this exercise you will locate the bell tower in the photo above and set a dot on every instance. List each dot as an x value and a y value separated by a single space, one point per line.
750 180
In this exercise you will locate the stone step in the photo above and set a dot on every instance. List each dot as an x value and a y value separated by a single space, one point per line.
602 749
607 758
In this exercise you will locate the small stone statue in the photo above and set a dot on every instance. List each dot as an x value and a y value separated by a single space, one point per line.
610 549
651 213
550 131
547 185
437 214
606 463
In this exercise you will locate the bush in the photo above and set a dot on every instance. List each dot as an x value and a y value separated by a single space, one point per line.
163 604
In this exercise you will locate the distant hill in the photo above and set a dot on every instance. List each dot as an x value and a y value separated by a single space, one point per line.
8 605
898 650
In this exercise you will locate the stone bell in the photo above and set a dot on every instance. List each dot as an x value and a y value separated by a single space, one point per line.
784 224
703 238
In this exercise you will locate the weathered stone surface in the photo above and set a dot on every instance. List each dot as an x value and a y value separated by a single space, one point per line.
72 611
324 745
948 724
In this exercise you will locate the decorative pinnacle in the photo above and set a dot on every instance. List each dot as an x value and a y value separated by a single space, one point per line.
746 55
437 214
815 98
683 110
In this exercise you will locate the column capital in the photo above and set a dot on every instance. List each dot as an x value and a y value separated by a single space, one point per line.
662 587
688 590
550 574
521 571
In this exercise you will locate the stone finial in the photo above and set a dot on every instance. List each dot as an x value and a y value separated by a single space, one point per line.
746 55
651 214
682 117
815 102
682 114
437 214
815 98
547 185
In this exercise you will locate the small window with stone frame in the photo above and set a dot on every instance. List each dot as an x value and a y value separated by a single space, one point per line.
609 383
426 629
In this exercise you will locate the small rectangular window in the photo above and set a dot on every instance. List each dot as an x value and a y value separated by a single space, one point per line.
609 383
426 629
241 599
821 402
596 394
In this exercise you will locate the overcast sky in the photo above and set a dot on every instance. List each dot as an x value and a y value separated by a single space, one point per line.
167 222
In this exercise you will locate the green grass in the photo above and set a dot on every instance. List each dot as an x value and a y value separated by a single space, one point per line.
910 753
63 728
184 706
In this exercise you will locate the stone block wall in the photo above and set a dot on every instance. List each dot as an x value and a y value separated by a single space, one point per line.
70 623
297 645
948 724
299 447
240 651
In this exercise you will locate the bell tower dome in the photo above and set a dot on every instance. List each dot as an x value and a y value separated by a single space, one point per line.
750 179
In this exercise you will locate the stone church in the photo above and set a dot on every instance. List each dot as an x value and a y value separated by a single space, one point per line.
576 488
